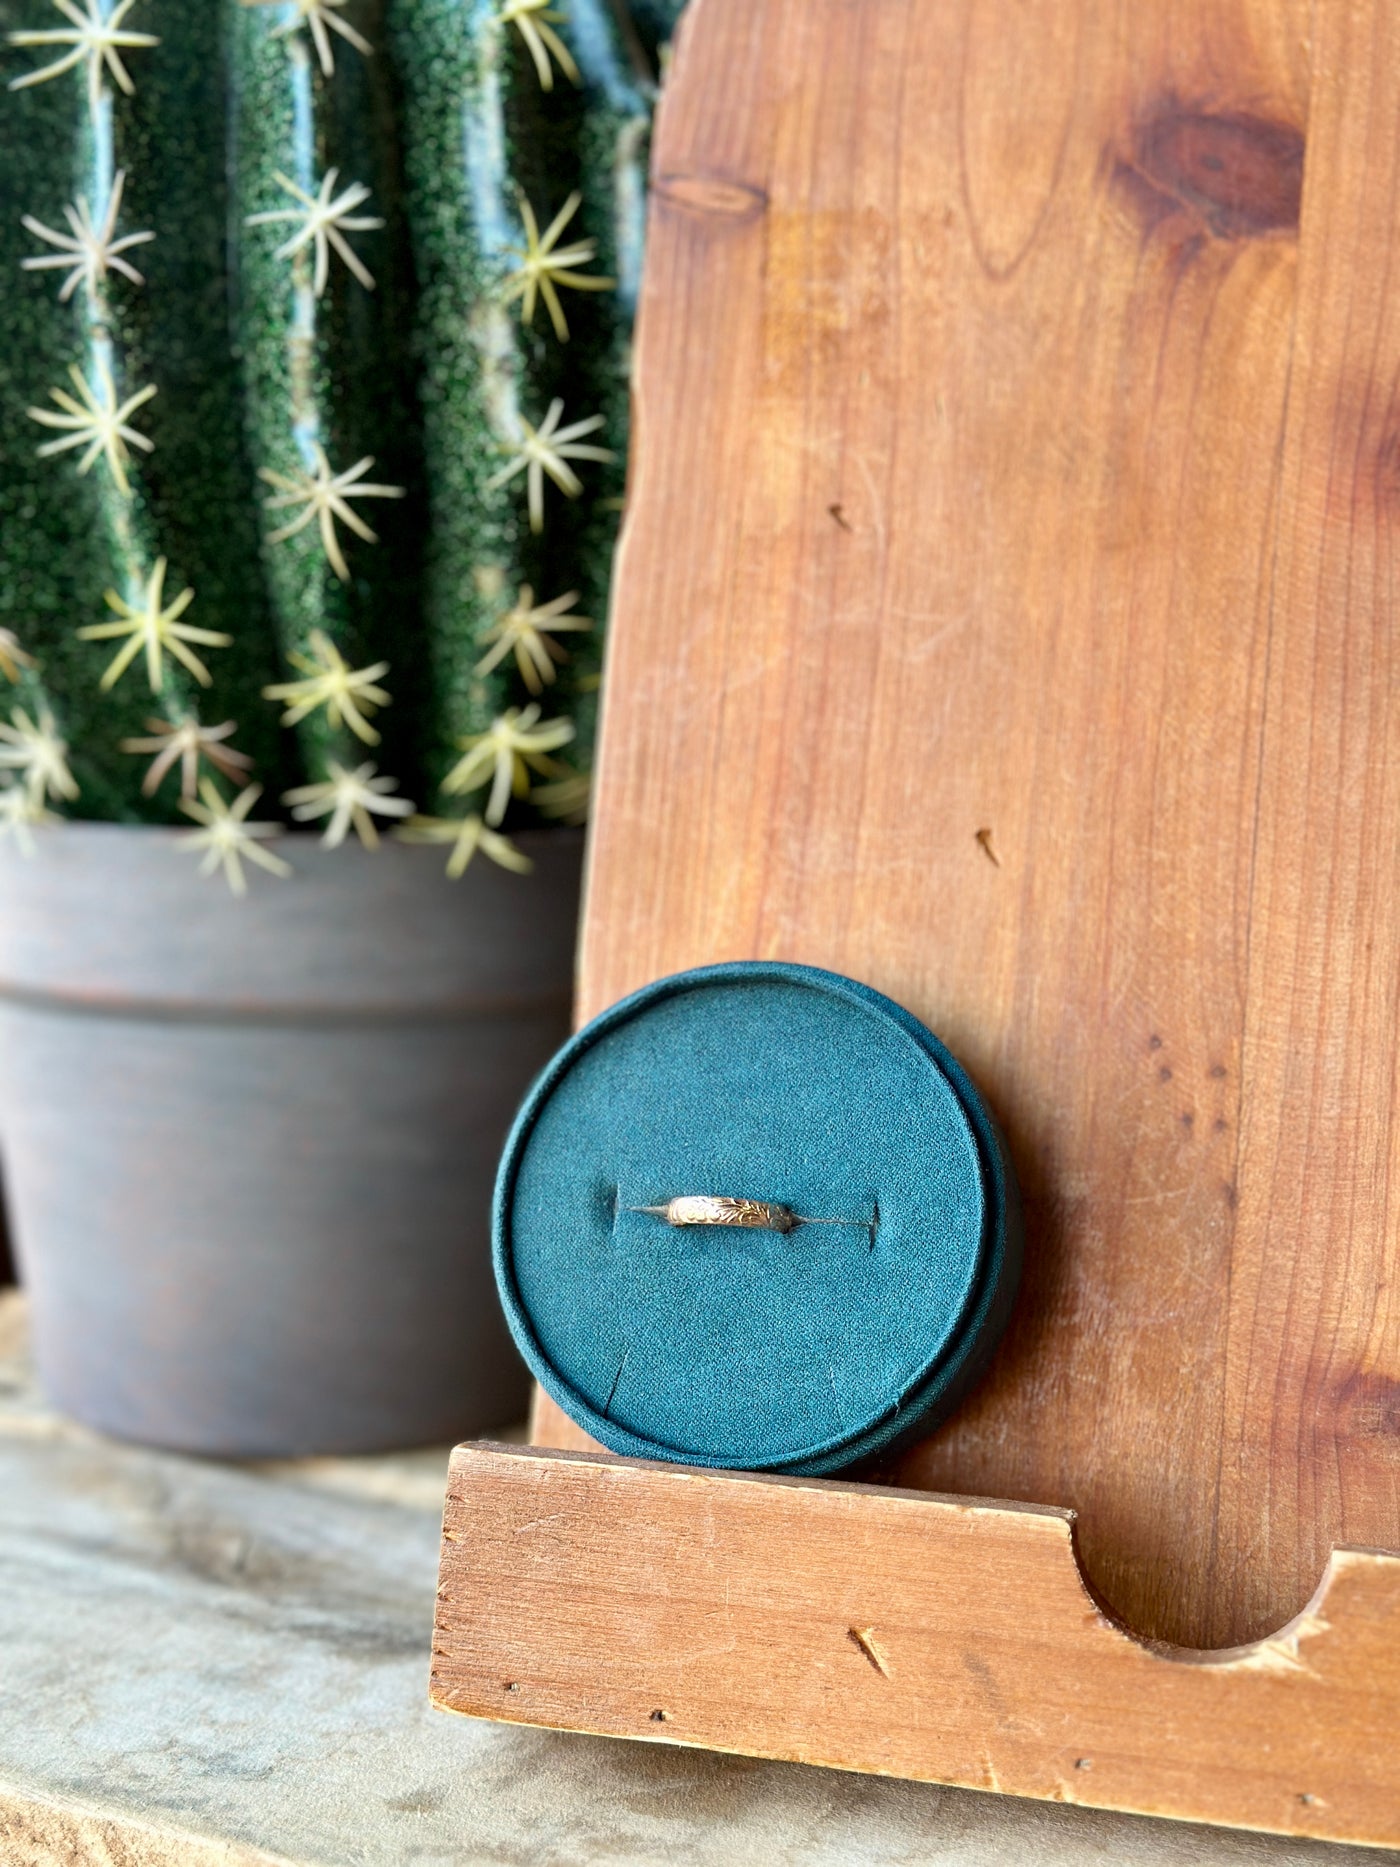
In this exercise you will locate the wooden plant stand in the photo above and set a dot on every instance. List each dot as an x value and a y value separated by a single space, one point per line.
1007 617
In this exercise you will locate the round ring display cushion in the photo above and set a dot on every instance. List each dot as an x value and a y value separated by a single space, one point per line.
797 1351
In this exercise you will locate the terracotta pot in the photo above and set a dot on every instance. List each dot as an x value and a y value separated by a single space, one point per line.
249 1144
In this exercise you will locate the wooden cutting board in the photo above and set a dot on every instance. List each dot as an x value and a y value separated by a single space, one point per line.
1007 617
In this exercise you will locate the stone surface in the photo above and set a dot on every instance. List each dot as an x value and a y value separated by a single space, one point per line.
218 1666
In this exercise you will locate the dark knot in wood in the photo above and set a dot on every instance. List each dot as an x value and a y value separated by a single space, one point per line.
1242 176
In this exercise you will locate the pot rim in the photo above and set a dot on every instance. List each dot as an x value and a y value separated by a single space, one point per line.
115 919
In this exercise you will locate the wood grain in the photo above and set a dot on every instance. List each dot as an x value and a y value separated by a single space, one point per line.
1005 618
938 1638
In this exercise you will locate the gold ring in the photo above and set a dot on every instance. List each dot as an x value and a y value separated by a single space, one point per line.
710 1209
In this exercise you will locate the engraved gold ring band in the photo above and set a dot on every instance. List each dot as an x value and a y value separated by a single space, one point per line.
720 1209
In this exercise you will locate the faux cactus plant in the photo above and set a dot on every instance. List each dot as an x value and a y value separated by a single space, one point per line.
313 402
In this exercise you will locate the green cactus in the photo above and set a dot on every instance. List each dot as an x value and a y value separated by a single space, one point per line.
364 393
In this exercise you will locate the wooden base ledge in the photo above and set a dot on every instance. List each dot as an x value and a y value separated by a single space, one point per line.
949 1640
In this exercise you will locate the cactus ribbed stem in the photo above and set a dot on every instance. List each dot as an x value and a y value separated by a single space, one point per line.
329 379
481 137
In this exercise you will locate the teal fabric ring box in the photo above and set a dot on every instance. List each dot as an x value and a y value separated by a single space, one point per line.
798 1350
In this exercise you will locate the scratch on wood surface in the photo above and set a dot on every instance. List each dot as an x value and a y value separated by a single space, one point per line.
918 651
536 1523
877 507
864 1639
